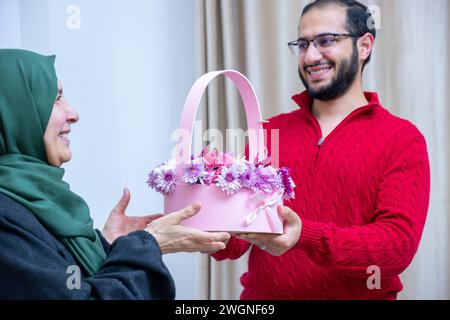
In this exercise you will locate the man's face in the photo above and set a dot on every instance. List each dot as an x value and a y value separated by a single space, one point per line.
327 75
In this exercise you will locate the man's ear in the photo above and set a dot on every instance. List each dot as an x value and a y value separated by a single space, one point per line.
365 46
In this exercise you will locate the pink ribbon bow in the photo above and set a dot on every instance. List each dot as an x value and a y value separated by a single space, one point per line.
264 205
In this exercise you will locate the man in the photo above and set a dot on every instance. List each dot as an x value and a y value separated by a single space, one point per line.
362 175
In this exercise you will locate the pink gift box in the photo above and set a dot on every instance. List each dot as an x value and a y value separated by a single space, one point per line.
222 212
243 211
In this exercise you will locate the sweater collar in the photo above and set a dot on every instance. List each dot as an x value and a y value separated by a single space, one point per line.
304 101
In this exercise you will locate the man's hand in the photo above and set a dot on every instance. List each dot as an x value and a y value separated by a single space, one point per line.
119 224
278 244
173 237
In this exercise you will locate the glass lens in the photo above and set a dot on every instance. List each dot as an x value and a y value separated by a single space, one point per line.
294 48
325 41
302 45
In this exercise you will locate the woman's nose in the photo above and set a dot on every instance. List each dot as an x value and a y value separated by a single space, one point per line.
72 114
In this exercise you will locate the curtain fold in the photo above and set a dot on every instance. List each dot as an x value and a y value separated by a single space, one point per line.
410 70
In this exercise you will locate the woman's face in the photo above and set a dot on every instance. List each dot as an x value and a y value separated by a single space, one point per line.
56 139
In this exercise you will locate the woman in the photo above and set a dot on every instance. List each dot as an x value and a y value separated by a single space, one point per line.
48 247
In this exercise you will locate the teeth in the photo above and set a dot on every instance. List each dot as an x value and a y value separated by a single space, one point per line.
318 71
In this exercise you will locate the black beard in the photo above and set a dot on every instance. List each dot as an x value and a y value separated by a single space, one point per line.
340 84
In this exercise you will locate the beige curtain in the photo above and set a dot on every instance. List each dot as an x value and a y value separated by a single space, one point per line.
410 70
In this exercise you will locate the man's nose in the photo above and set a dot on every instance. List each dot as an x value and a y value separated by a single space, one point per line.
312 55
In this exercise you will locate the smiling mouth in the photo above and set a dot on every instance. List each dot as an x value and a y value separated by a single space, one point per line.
64 137
317 70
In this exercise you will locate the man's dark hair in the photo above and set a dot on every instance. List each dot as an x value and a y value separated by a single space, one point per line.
359 18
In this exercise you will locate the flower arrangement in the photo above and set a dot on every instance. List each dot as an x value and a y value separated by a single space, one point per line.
227 173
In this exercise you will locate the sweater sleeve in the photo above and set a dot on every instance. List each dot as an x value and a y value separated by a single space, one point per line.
391 240
34 265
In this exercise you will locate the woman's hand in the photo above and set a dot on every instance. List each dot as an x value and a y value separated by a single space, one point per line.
119 224
277 245
173 237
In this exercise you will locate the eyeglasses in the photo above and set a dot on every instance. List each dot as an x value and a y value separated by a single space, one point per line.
323 42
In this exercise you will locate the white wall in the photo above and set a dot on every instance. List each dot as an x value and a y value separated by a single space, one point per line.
127 71
9 23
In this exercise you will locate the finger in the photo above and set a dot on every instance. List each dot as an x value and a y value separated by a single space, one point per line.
219 236
250 236
214 247
207 237
218 245
185 213
206 247
257 238
122 205
286 213
242 236
152 217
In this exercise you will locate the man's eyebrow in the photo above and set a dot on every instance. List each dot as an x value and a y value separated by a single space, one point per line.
317 35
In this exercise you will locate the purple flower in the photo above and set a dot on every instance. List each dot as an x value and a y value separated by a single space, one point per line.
228 180
248 178
267 179
152 176
288 183
165 181
259 177
195 172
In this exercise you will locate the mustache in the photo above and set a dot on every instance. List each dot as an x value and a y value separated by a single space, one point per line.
322 63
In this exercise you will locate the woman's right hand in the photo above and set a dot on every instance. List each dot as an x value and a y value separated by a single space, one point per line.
173 237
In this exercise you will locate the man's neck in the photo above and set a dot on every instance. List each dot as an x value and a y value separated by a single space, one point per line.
340 107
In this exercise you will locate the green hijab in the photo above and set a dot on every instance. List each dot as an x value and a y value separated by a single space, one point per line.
28 89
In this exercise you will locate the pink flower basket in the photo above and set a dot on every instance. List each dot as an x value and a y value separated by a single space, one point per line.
236 195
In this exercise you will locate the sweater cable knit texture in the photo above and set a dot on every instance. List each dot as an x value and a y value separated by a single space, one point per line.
362 196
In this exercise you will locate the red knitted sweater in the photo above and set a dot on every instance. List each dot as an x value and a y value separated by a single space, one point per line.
362 196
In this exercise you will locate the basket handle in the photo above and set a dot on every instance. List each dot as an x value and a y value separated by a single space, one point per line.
252 110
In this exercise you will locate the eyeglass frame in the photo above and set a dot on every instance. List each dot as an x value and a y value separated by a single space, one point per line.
335 35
